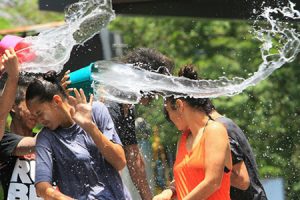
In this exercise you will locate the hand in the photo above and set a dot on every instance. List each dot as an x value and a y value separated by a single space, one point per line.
165 195
82 111
52 194
10 63
65 82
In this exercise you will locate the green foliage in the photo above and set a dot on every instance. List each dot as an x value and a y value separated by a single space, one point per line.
1 193
28 13
268 112
4 23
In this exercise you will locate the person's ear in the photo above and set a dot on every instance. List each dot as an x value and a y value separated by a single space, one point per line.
179 105
57 100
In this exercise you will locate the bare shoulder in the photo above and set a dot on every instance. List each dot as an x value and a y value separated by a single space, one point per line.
216 129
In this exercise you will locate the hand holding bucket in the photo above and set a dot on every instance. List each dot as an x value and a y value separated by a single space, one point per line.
82 78
21 48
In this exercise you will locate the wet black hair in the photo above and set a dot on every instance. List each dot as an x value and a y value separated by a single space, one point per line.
45 88
188 71
23 82
201 104
149 59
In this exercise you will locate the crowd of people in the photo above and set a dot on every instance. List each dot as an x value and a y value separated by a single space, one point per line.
83 143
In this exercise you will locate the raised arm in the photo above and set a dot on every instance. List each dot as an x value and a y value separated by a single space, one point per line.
10 63
82 115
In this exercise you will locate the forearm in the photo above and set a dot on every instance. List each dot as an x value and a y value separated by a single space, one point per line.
6 101
47 192
239 177
137 171
112 152
237 182
2 127
25 146
7 98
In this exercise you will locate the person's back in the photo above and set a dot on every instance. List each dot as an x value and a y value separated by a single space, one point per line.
243 152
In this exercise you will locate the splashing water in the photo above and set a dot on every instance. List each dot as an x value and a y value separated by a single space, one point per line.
123 83
51 49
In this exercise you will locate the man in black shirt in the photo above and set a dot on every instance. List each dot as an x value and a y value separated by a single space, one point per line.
123 115
22 143
242 153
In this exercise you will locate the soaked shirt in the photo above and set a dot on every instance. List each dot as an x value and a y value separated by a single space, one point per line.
70 158
241 151
124 125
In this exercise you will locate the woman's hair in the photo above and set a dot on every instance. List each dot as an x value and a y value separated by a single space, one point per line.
201 104
150 60
45 88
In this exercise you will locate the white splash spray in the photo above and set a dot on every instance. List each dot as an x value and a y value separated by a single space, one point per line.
52 48
123 83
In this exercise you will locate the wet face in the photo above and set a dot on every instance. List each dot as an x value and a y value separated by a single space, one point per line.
24 115
175 115
46 113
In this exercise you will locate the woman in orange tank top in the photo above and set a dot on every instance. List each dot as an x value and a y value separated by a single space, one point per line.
203 163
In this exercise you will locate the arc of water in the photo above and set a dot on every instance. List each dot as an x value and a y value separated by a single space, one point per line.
123 83
86 18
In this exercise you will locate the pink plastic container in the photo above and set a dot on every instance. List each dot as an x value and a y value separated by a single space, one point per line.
24 53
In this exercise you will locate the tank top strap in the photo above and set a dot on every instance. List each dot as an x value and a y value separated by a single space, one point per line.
206 125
